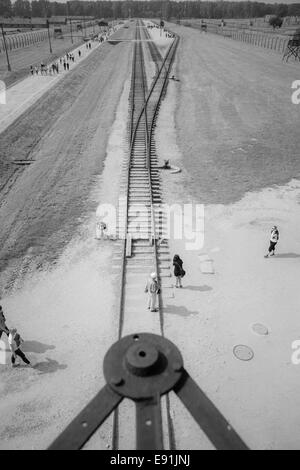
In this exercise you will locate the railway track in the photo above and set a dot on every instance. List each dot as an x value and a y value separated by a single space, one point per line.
141 224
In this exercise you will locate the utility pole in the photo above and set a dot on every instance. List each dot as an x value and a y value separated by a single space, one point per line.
84 24
48 27
5 47
70 19
71 31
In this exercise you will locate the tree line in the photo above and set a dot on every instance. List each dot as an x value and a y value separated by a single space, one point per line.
147 9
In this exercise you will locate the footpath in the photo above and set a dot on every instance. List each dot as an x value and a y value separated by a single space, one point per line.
17 99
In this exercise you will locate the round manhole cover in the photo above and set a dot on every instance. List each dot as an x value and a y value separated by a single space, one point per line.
260 329
243 353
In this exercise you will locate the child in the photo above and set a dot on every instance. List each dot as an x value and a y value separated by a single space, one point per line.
15 341
153 289
273 241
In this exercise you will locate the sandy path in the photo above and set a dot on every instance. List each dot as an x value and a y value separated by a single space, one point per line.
65 310
26 92
222 99
21 59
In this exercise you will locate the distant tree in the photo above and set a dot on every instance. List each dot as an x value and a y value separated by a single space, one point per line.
282 10
150 9
22 8
276 21
37 9
5 8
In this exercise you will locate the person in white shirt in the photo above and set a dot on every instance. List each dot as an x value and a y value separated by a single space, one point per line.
15 341
153 290
273 241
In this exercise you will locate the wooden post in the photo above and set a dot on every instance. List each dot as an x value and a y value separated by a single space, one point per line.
71 30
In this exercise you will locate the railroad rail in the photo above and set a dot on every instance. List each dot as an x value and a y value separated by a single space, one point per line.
144 367
141 218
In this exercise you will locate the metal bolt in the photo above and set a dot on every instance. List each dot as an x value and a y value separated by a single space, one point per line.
177 367
117 381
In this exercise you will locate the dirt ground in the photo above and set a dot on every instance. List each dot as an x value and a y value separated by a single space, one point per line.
232 128
59 293
56 132
230 125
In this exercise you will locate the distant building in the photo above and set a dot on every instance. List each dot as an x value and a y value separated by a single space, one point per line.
22 23
102 22
59 20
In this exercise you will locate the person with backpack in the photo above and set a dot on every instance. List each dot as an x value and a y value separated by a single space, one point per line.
273 241
15 341
3 327
179 272
153 289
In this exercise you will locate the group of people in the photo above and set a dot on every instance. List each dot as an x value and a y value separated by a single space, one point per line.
54 67
153 286
51 69
14 340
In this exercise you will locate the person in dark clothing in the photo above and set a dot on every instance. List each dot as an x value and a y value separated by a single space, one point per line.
273 241
3 327
15 341
178 270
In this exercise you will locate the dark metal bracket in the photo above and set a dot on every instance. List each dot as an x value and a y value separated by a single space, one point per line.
143 367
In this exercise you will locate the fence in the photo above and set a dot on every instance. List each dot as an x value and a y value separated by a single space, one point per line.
21 40
269 40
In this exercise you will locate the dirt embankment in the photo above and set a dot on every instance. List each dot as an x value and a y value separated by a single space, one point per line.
46 204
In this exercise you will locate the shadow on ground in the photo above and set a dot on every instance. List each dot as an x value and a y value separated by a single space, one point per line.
49 366
287 255
181 310
198 288
36 347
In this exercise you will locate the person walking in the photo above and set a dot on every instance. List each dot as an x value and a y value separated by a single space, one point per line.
178 270
32 70
3 327
273 241
101 230
153 289
15 341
